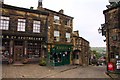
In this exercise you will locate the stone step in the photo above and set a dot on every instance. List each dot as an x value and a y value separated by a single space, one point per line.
18 64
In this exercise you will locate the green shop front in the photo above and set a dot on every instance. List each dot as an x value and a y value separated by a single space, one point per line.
59 54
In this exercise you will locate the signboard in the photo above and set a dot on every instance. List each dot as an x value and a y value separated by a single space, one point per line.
118 65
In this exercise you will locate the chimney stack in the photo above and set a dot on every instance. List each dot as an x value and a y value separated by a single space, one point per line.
39 3
61 11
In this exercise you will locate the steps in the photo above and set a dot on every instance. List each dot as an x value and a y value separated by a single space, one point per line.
18 64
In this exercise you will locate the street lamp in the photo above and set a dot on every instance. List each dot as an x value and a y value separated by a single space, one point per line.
105 32
99 30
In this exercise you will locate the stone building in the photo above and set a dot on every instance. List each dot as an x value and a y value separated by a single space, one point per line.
23 33
111 30
59 38
80 50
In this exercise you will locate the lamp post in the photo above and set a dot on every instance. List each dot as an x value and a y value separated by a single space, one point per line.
105 32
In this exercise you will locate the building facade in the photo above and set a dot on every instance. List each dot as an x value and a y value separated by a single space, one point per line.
23 33
59 38
111 30
81 49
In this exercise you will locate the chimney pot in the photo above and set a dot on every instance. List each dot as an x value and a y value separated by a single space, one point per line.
31 8
40 3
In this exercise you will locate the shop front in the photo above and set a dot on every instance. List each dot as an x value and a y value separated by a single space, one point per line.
59 54
21 49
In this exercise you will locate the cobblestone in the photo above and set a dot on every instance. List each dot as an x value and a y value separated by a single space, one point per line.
32 71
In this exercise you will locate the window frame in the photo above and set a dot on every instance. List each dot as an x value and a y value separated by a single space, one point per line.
4 22
21 26
67 35
67 22
36 26
56 19
56 37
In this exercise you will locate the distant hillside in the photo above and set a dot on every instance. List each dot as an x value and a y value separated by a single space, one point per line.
99 49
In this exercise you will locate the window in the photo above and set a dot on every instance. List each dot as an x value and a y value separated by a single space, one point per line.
56 19
56 35
112 55
4 23
36 26
68 37
21 25
67 22
34 50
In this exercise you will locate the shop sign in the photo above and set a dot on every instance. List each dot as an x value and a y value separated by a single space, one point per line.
118 65
20 37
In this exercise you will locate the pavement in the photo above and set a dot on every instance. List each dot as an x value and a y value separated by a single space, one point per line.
32 70
113 76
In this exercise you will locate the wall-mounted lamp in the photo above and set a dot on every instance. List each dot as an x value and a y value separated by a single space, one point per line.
99 30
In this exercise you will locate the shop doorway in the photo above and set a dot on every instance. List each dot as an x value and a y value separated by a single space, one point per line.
18 53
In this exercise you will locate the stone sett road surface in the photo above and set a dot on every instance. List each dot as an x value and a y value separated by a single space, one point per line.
68 71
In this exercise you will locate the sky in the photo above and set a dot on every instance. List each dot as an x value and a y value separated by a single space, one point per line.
88 15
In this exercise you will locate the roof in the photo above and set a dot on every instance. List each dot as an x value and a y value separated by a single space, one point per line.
24 9
84 39
113 7
31 10
57 12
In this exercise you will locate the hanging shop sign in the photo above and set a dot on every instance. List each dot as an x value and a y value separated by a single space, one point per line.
118 65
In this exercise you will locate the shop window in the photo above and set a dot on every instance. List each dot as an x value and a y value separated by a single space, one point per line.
59 57
5 50
36 26
4 23
34 50
21 25
19 43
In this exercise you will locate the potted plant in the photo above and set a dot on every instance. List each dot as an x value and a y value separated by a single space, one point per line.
25 60
42 61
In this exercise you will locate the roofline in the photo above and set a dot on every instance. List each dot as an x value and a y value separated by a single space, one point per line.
24 9
58 13
110 9
84 39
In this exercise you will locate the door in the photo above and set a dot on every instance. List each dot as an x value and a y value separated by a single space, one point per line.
18 53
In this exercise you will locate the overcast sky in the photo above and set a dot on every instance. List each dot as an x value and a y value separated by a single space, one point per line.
88 15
